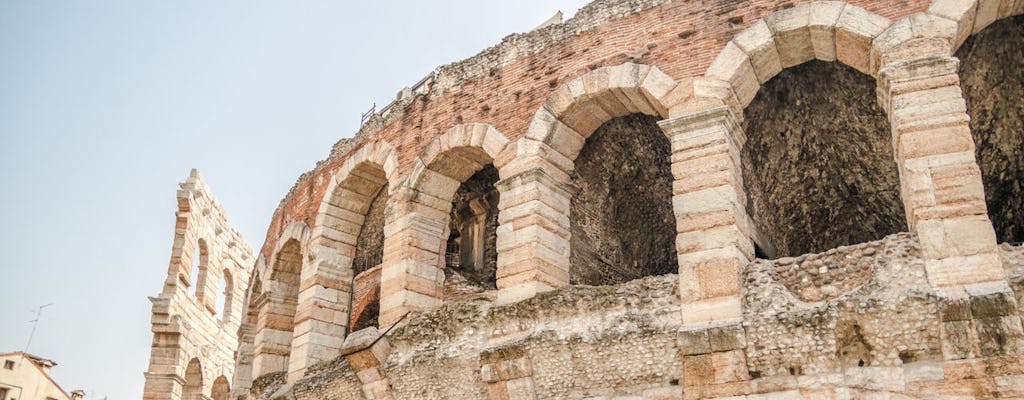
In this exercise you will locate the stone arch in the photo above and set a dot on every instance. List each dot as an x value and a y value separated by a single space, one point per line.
792 38
192 389
276 328
830 31
534 249
347 235
412 275
993 83
221 389
252 302
578 108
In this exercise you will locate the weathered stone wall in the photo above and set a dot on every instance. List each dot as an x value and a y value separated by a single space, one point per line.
622 222
187 327
534 108
504 84
818 163
992 71
890 335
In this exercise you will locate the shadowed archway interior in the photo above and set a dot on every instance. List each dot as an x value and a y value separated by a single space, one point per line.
992 77
623 227
818 163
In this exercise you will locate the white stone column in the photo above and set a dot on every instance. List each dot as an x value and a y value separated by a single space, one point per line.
412 277
533 231
940 179
713 241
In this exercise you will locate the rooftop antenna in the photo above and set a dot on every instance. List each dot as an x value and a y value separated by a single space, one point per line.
35 322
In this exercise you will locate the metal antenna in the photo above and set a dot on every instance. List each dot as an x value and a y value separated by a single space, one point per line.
35 322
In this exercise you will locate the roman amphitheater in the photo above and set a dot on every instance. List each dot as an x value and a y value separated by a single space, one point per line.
656 199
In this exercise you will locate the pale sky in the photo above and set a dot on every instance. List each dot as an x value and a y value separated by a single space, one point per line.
106 105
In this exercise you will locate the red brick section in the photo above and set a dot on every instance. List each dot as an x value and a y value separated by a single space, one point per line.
365 291
681 38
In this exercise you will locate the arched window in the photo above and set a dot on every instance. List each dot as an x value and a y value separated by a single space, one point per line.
225 297
199 267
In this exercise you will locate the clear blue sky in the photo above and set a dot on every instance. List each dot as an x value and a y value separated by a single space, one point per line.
106 105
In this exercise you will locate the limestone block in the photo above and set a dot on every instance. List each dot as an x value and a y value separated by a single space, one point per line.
962 270
727 337
721 91
657 87
963 236
366 348
709 310
821 23
896 34
962 12
520 389
1000 336
513 294
936 141
693 342
855 31
987 13
729 366
759 44
792 35
708 200
991 300
733 65
714 238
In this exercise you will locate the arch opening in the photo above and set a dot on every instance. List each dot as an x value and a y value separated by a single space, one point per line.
818 163
992 77
622 223
370 241
225 297
221 389
471 256
193 386
276 321
197 276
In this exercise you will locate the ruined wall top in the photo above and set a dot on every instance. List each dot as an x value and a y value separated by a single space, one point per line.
506 84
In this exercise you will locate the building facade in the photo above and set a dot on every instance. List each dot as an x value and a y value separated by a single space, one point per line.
666 199
27 377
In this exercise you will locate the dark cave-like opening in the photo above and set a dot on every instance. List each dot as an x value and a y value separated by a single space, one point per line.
818 164
471 249
992 77
623 226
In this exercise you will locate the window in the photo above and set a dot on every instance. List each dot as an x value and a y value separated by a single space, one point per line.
3 391
8 364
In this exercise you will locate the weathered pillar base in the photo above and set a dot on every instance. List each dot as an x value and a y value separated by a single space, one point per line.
366 351
533 234
713 241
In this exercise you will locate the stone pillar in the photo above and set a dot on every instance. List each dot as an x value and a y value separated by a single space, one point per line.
160 386
940 180
273 340
533 232
713 240
321 318
366 351
412 277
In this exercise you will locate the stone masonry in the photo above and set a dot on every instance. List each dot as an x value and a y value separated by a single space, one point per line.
842 178
197 314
